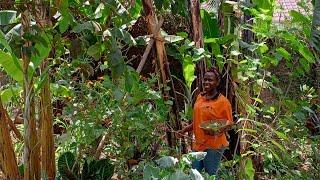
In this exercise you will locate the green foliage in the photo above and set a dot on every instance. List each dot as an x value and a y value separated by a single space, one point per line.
249 169
11 65
169 167
68 168
315 29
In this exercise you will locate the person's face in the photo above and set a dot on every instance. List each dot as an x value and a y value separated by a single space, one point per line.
210 81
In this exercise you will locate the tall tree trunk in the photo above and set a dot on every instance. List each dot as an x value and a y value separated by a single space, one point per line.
315 29
8 158
198 39
46 121
31 155
315 42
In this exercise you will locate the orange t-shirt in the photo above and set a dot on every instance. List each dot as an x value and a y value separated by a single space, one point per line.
205 110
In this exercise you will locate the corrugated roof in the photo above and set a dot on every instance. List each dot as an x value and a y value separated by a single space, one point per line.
285 7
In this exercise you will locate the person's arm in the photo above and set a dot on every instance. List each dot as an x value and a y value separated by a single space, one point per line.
229 118
184 130
187 128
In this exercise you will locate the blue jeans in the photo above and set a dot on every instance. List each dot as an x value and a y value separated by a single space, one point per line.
211 162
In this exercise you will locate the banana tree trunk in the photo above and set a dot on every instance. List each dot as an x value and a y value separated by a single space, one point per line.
198 39
8 158
31 156
46 121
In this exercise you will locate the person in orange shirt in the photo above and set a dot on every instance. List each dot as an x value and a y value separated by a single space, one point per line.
210 105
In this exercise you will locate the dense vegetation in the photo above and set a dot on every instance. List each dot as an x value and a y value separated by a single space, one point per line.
97 89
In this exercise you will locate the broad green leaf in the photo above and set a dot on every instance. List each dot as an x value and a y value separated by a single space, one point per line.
263 48
195 175
178 175
249 170
8 93
116 60
65 19
173 38
4 42
280 134
197 155
66 163
306 53
95 49
278 145
305 64
182 34
235 53
135 10
12 68
298 17
64 23
89 25
60 90
210 24
167 161
284 53
188 70
43 49
7 17
119 34
150 172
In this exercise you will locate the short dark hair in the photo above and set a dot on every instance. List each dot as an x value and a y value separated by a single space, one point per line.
215 71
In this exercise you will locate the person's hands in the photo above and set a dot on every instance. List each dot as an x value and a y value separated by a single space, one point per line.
180 133
226 128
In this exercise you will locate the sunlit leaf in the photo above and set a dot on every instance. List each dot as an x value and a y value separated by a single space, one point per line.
12 69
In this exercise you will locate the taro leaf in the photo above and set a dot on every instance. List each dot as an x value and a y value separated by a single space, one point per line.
11 65
104 168
66 163
101 169
150 172
197 155
178 175
7 17
195 175
167 161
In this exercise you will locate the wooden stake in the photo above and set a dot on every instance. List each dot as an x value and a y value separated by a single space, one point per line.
150 45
